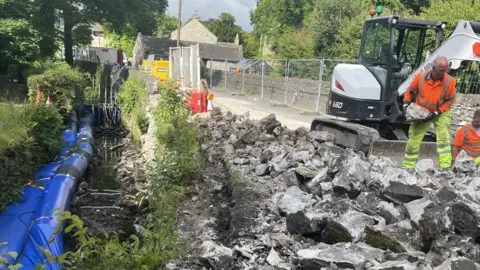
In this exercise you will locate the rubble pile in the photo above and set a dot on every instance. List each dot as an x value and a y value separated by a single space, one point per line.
320 206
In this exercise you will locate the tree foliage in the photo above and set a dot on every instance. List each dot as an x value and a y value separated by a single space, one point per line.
224 27
336 27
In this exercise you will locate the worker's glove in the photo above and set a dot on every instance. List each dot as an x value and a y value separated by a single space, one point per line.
405 106
431 116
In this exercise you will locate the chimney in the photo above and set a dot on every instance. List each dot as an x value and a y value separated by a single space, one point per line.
237 40
195 16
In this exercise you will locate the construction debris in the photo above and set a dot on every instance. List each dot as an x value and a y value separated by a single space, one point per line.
297 201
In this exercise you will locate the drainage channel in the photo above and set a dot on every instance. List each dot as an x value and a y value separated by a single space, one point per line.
98 198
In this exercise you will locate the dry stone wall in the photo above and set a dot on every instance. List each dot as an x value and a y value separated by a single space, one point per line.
148 139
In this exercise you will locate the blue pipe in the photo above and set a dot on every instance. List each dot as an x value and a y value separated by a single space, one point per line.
30 225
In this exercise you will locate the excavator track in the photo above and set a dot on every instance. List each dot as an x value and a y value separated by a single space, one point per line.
347 134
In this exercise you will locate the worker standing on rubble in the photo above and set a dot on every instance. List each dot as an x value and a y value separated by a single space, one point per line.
468 139
435 91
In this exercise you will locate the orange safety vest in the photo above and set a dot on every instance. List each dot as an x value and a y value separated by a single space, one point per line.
428 96
471 141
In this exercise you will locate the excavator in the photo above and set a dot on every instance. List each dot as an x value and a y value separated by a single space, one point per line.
364 105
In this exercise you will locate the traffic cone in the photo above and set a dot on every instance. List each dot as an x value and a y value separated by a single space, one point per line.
209 106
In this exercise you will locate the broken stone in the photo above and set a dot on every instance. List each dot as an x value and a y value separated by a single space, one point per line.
465 217
272 203
368 202
273 258
301 132
269 123
396 237
266 156
426 165
400 192
332 156
353 175
298 223
416 113
395 265
464 163
295 200
288 179
216 256
315 185
448 245
458 263
341 255
305 174
416 208
251 136
355 222
301 156
262 169
245 252
241 161
389 212
265 137
433 221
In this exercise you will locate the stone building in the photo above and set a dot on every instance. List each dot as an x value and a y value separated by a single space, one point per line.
214 54
98 37
193 30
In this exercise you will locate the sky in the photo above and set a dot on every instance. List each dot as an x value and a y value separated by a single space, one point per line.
207 9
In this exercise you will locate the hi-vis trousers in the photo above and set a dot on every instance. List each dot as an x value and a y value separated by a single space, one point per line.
415 137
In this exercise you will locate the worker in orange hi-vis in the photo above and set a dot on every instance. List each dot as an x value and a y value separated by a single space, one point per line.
435 91
468 139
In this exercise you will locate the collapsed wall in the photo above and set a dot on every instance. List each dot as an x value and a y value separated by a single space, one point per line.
294 200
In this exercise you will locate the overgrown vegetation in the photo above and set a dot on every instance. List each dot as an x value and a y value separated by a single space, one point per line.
30 138
171 171
59 81
31 133
133 100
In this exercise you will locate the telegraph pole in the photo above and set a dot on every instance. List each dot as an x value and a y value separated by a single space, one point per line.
179 21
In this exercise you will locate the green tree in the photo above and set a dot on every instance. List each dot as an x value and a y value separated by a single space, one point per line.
224 27
296 44
166 25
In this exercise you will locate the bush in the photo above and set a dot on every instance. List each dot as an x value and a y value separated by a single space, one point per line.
58 80
132 99
30 138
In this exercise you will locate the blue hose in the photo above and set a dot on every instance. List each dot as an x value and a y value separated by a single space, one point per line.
30 224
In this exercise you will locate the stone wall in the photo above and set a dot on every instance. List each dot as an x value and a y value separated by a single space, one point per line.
300 92
148 139
463 110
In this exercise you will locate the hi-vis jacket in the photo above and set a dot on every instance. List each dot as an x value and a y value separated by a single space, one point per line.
430 94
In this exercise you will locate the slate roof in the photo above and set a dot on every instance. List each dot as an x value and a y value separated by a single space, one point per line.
161 46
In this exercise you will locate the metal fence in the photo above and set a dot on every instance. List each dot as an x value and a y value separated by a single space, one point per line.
468 79
185 65
290 82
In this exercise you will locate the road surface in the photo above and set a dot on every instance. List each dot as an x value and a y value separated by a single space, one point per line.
258 109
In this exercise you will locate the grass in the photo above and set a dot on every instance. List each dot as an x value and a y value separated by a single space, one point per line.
30 138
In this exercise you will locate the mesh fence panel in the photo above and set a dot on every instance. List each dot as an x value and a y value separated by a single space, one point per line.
303 82
186 66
